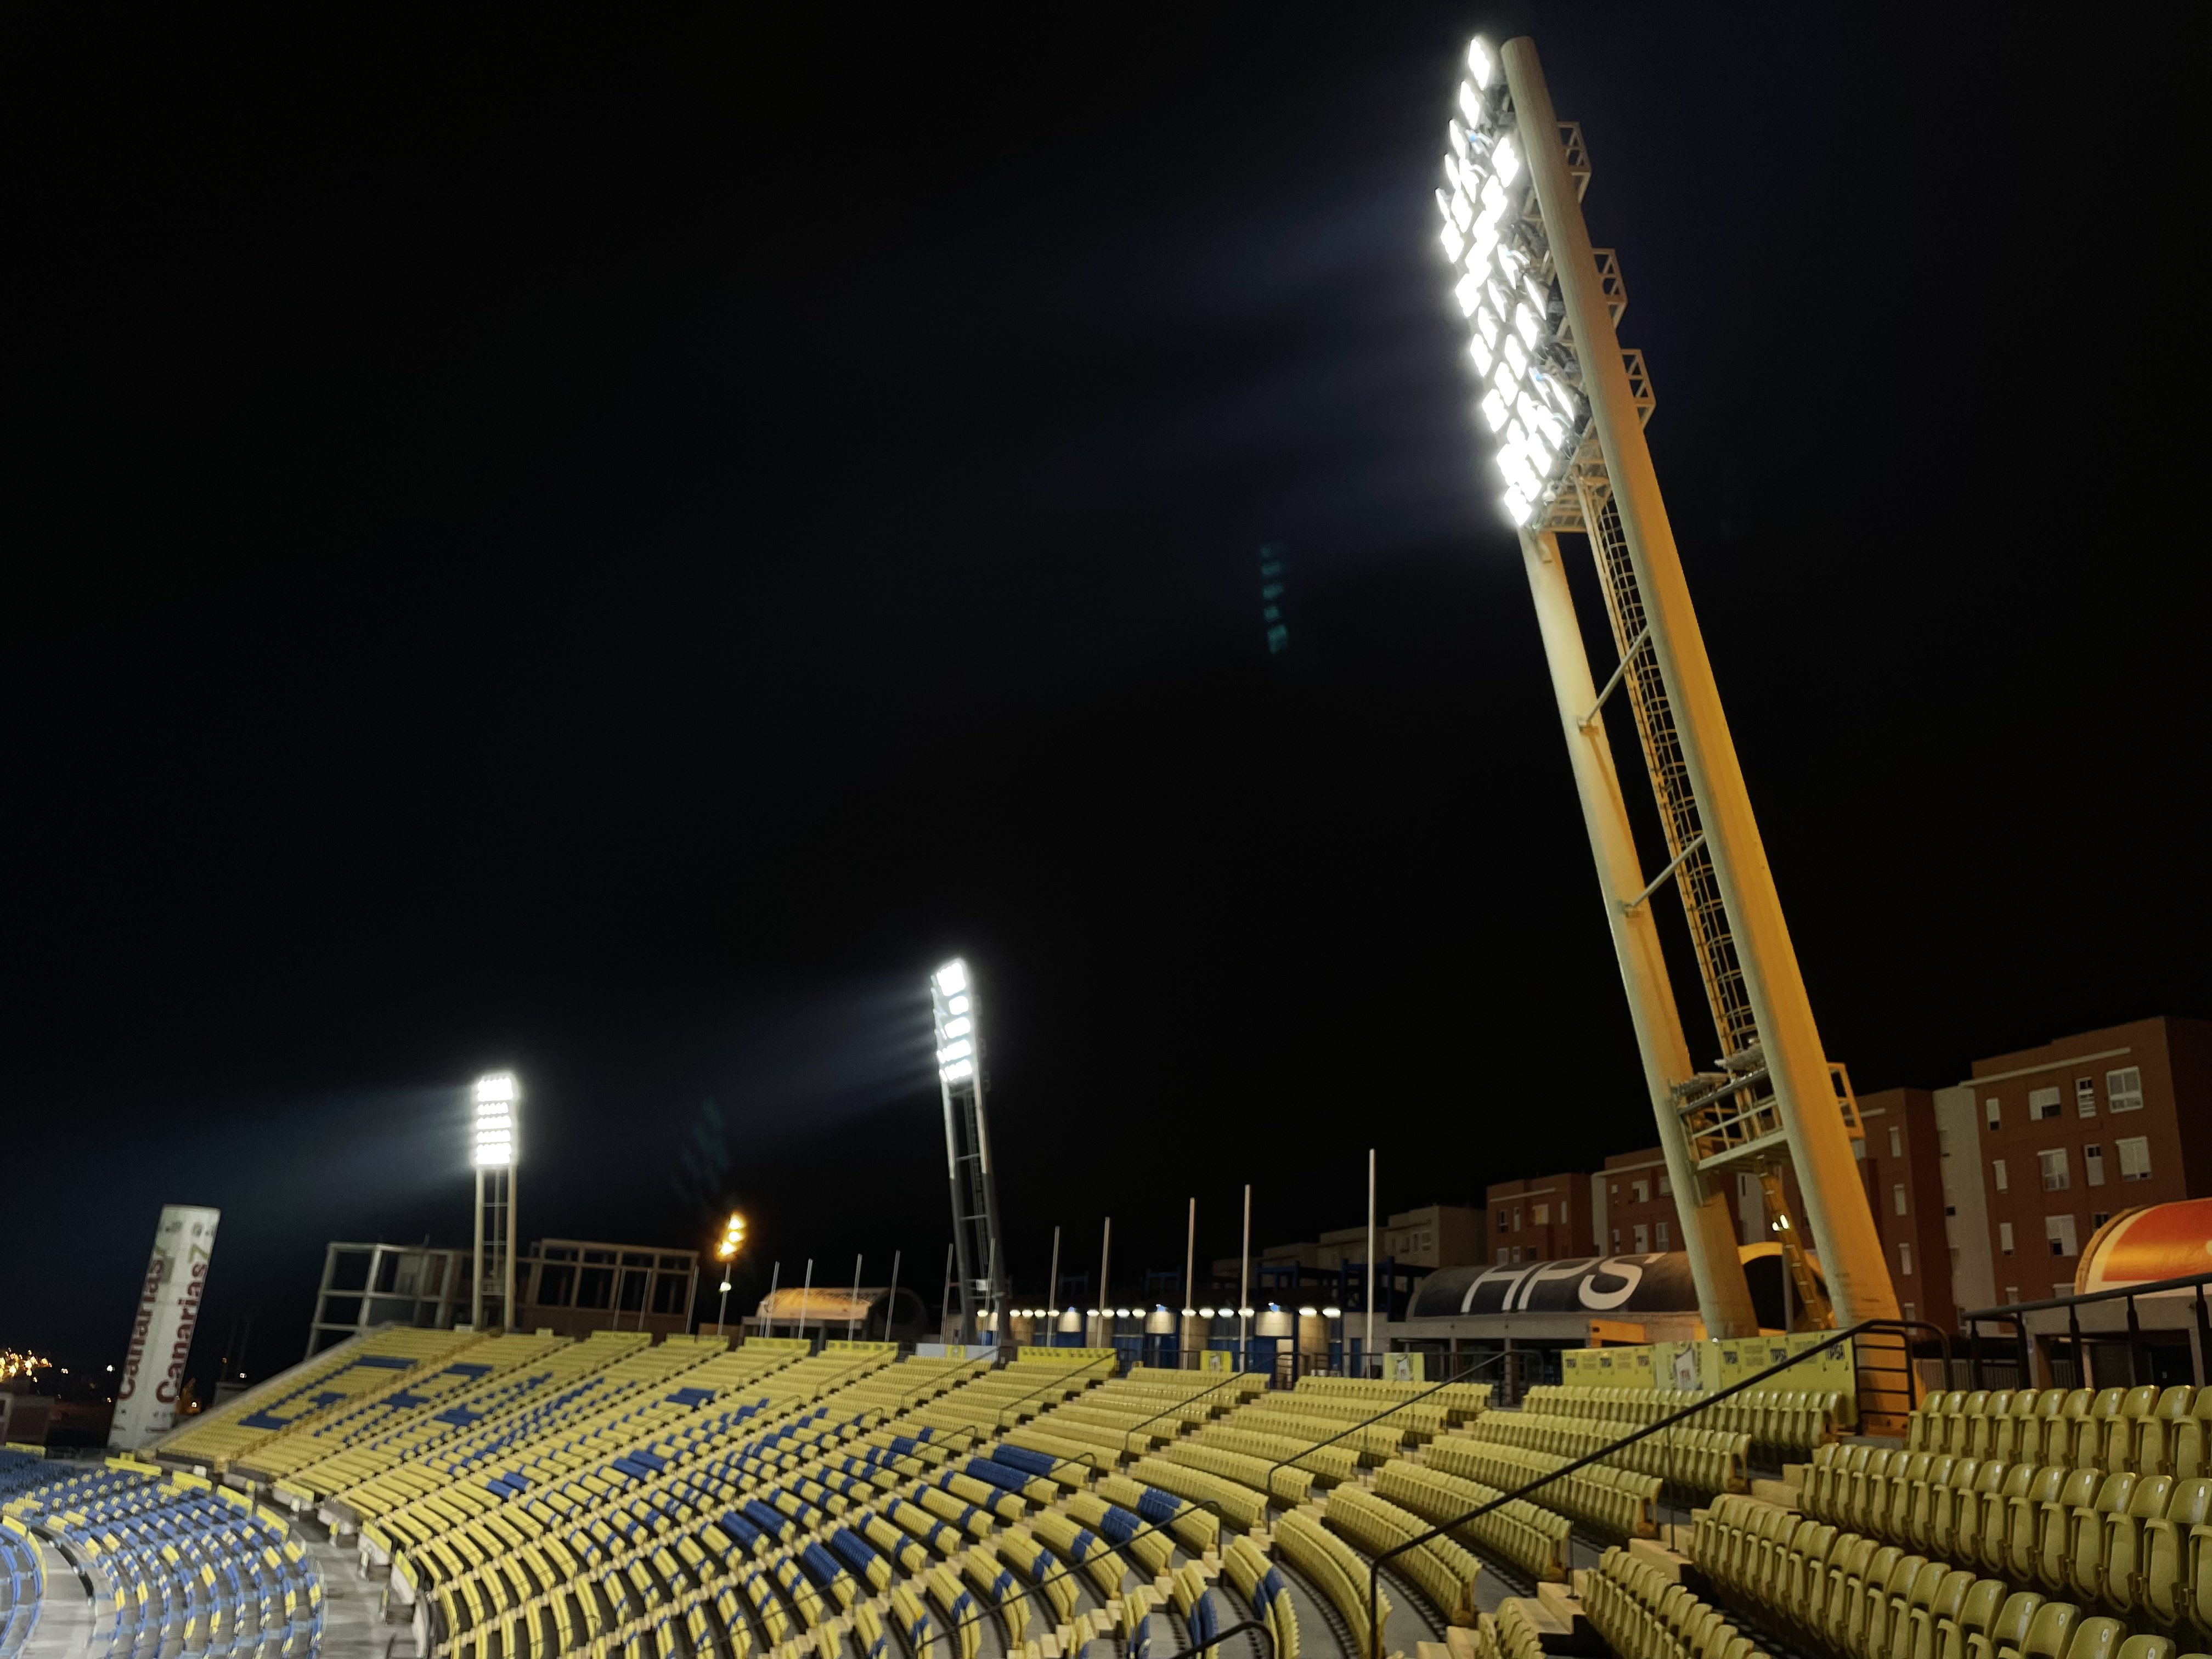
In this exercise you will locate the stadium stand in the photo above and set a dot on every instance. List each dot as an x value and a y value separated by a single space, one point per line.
177 1565
22 1582
527 1498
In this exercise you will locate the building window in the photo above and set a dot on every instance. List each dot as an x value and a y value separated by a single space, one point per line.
1616 1238
1516 1218
2058 1232
1613 1191
2093 1162
2012 1292
1643 1238
2004 1238
1903 1259
1666 1188
1660 1232
2043 1103
1997 1175
1897 1196
2056 1179
2085 1095
1563 1213
1501 1221
2123 1090
1640 1191
1504 1255
1911 1312
1540 1215
2135 1156
1990 1106
2098 1219
1896 1141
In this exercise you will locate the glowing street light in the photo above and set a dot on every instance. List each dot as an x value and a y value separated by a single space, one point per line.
733 1240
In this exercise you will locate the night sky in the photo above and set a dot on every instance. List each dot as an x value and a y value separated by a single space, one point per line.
613 555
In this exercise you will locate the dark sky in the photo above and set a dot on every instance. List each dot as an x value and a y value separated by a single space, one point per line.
611 555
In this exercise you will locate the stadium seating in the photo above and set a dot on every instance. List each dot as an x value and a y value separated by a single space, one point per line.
1699 1459
1852 1596
1641 1615
369 1365
177 1565
618 1498
23 1582
1618 1501
1788 1423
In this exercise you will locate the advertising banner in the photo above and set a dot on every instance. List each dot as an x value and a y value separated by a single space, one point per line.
1622 1286
153 1373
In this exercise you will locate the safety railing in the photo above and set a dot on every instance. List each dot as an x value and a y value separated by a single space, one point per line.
2015 1315
1900 1326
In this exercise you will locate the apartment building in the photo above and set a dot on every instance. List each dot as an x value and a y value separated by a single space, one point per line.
1901 1165
1632 1205
2042 1146
1539 1220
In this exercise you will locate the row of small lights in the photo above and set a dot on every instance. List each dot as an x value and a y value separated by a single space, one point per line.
1188 1312
1535 410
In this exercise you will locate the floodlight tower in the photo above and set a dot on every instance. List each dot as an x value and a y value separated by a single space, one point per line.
982 1264
498 1098
1568 406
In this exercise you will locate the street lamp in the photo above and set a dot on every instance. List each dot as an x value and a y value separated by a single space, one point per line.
498 1096
733 1240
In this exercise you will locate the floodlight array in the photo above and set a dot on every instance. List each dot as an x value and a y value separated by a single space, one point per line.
733 1238
1531 381
496 1096
954 1003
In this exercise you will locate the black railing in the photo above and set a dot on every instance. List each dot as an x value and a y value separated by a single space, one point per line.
1901 1326
2015 1315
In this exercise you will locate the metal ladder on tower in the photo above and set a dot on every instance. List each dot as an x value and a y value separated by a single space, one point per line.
1729 1118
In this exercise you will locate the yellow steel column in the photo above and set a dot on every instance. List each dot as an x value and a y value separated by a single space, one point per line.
1708 1222
1836 1209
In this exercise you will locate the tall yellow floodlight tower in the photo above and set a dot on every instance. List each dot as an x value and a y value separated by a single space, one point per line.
1567 406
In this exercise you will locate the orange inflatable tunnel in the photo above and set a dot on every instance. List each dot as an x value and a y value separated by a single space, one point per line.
2154 1242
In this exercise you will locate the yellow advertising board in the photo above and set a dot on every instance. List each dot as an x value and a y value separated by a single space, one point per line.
1606 1368
1405 1367
1216 1362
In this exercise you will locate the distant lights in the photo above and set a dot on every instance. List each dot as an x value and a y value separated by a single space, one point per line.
1188 1312
1309 1313
1205 1313
1332 1313
1244 1313
497 1095
733 1238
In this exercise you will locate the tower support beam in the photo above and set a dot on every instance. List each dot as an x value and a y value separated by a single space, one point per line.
1836 1211
1708 1223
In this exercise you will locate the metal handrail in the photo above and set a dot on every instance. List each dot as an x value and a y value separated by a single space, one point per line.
2013 1313
2116 1293
1374 1566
